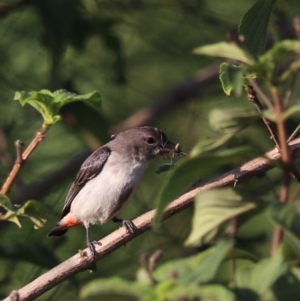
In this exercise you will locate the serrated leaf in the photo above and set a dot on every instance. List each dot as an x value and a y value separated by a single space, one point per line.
114 286
232 79
49 103
226 50
190 169
254 26
287 216
212 209
35 211
8 211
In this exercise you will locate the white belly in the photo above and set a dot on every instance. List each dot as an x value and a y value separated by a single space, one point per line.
99 200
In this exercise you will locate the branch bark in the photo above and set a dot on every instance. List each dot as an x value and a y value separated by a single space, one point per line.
113 241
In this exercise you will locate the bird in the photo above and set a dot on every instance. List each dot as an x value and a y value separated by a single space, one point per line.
108 178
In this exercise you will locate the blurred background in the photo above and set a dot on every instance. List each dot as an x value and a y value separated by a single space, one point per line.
137 54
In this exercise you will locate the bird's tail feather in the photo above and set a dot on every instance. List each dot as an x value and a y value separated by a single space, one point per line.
57 231
64 224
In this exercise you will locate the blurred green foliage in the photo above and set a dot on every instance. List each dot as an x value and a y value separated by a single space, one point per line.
133 52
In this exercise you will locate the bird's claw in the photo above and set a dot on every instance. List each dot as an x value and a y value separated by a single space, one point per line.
91 246
129 226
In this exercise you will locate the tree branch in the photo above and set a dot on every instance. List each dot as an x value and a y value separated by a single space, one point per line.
113 241
22 157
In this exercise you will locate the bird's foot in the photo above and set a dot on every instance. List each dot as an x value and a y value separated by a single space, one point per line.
91 246
129 226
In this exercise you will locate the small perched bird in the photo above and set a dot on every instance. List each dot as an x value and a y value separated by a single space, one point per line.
108 178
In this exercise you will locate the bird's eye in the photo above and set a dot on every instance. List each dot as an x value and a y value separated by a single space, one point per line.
150 140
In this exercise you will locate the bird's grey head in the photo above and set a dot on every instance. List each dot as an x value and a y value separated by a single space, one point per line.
144 143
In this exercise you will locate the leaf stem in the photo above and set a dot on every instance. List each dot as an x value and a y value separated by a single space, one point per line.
22 157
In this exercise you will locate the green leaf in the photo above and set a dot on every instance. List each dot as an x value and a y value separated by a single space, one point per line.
287 287
211 143
180 268
287 216
7 210
232 119
49 104
212 209
254 26
226 50
114 286
232 79
35 211
208 268
190 169
277 63
258 278
292 70
204 293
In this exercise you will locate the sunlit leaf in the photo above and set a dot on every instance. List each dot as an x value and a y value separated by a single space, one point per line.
7 211
254 25
35 211
277 63
49 103
232 79
212 209
226 50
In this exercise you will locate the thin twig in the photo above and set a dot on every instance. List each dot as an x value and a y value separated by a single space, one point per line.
118 238
21 159
296 131
19 147
270 126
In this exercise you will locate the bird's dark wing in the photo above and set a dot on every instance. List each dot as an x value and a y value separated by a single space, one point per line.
91 167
